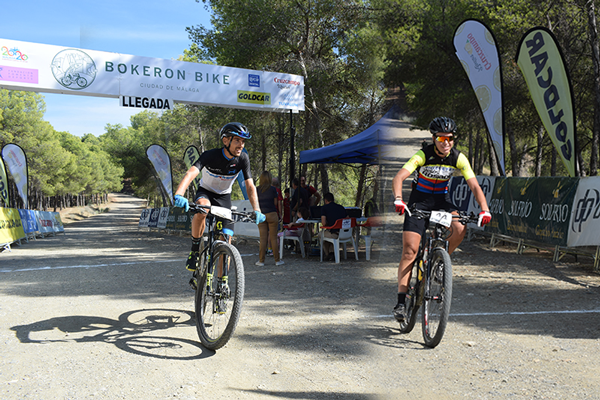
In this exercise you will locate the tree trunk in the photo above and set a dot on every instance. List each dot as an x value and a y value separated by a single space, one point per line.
540 151
514 157
361 184
596 62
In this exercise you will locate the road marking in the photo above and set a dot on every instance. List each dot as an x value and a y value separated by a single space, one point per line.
496 314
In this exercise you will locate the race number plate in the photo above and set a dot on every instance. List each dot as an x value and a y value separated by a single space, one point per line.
441 217
221 212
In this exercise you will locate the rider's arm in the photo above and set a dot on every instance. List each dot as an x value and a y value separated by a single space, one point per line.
187 179
397 182
478 193
252 196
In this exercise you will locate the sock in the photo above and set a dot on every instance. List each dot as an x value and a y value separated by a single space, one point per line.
196 244
401 298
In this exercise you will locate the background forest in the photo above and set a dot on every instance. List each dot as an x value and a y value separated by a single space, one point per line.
357 58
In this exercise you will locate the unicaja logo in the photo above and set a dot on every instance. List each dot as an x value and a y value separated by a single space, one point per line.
73 69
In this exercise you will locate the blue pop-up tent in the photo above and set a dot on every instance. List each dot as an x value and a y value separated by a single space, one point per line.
367 147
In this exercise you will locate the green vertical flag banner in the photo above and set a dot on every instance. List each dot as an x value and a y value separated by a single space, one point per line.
543 67
3 183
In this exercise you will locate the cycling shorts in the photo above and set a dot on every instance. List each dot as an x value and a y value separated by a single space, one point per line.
222 200
427 203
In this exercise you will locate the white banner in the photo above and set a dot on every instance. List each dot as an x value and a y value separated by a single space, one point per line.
46 68
16 162
162 164
162 218
476 49
585 215
144 218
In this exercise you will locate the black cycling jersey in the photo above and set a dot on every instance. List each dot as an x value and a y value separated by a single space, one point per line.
219 172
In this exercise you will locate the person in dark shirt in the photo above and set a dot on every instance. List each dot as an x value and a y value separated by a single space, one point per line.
299 198
330 213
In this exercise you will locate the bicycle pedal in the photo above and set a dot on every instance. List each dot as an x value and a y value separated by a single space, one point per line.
194 283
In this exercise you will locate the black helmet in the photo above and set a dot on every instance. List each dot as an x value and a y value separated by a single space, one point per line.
442 125
235 129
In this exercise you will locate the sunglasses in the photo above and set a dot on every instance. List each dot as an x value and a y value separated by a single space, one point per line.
442 139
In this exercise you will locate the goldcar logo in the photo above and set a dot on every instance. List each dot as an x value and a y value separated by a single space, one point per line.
253 97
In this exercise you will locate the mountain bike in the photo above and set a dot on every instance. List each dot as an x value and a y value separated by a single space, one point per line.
218 280
431 280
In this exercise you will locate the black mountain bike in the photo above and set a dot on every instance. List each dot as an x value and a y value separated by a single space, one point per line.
431 280
218 279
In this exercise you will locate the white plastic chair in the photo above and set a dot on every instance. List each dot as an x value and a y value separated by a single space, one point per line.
372 223
295 238
345 226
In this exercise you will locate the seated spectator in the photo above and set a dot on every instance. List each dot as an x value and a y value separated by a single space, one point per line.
330 213
292 229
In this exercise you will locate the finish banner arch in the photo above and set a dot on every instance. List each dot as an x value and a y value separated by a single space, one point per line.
54 69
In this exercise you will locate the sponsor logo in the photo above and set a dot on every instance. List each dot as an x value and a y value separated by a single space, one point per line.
253 80
73 69
586 207
253 97
286 82
471 46
15 74
13 54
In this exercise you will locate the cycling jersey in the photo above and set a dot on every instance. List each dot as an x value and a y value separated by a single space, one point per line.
435 172
219 172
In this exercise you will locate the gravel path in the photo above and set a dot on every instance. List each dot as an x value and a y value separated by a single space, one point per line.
105 312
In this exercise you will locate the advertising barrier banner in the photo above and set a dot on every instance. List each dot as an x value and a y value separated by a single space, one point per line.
153 220
29 221
11 227
533 208
584 227
162 218
144 218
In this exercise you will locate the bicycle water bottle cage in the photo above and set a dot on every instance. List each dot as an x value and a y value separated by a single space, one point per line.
221 212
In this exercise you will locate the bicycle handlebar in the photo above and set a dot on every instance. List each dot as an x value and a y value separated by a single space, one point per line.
223 212
463 217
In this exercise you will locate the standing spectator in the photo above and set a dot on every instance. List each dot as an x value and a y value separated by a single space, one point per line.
287 215
267 199
330 213
299 198
314 198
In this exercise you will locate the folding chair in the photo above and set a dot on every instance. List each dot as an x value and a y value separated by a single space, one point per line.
345 226
298 239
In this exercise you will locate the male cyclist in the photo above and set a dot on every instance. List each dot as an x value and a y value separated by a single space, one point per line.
220 168
436 162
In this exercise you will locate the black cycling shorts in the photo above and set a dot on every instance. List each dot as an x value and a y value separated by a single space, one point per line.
426 202
221 200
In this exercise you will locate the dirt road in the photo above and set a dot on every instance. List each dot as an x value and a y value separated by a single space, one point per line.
105 312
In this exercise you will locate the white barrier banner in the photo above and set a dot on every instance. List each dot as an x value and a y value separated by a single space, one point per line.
144 218
45 221
46 68
584 226
162 218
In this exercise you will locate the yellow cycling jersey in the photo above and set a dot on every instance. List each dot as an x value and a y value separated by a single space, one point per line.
435 172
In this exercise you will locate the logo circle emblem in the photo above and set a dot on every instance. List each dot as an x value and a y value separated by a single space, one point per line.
73 69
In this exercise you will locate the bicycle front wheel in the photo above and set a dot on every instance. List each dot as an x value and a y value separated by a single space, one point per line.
219 299
438 297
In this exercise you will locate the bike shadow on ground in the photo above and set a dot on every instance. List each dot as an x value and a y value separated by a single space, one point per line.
145 332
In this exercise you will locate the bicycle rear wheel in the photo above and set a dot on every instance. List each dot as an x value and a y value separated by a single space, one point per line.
219 302
438 298
412 300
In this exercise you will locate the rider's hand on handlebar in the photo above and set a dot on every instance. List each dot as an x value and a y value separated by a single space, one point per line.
400 206
484 218
181 202
260 217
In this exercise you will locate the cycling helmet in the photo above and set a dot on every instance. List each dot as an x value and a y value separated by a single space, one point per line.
442 125
235 129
